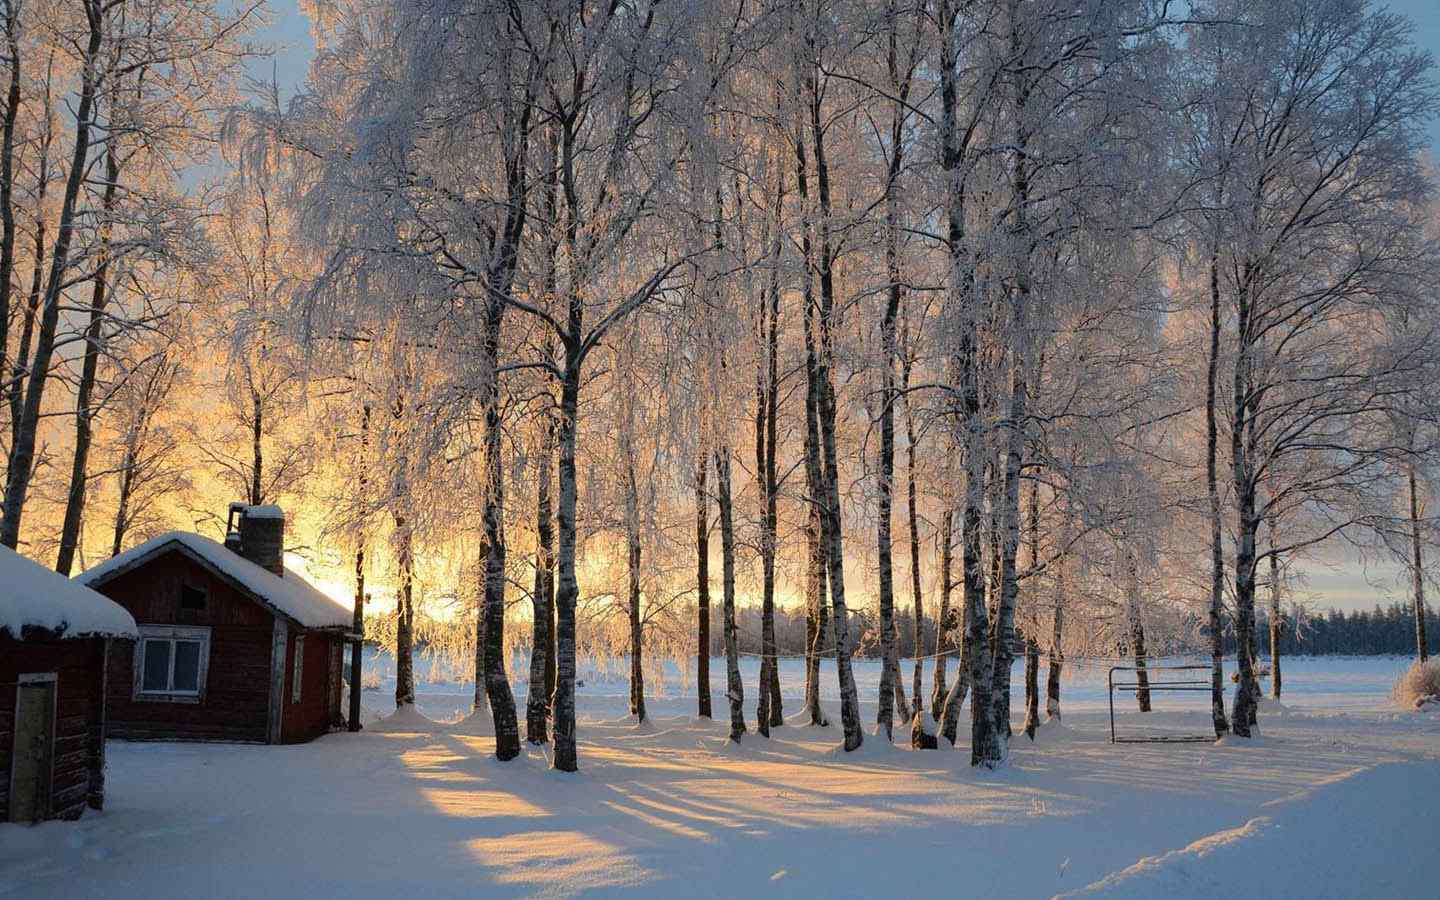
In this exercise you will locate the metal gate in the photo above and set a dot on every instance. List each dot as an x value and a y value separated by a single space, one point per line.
1179 684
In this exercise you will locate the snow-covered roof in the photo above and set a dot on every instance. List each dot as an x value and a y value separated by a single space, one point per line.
32 596
267 511
291 596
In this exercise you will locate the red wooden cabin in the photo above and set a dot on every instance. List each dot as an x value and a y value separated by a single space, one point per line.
54 636
232 646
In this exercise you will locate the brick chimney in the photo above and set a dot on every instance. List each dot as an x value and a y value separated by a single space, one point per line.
259 535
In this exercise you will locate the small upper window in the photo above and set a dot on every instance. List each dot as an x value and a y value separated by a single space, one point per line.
192 598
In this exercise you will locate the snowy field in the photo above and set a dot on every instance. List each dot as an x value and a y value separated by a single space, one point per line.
1337 798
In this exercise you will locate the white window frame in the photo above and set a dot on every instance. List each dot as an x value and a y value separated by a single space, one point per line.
172 633
298 677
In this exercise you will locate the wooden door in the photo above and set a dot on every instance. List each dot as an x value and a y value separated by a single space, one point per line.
31 767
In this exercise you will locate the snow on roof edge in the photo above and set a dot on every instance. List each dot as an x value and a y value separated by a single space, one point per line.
33 596
291 596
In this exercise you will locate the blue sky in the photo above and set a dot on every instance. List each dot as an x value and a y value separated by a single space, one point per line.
1344 583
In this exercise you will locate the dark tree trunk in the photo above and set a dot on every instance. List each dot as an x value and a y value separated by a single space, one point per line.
22 453
497 684
826 415
955 697
884 715
1032 686
702 585
84 410
768 712
816 540
1215 623
734 687
567 590
637 630
1056 660
500 280
1137 631
405 621
542 663
979 666
357 645
943 645
122 503
1247 518
1417 569
257 450
917 691
20 372
7 179
1275 620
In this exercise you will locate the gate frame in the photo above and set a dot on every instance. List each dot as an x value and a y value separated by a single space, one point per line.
1156 687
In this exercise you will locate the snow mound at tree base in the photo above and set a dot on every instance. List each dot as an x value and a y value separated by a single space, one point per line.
478 724
405 720
801 718
923 731
874 746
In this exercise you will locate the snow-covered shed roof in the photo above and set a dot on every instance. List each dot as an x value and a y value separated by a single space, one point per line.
32 596
291 596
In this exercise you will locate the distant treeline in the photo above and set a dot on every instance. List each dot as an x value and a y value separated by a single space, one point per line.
1383 630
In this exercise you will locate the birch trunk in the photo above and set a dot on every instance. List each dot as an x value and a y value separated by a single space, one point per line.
702 584
1032 686
7 178
542 661
1417 569
826 414
637 631
1137 631
942 615
768 711
405 621
816 541
357 627
567 590
22 453
1275 620
734 687
21 370
84 409
127 486
1247 521
884 714
955 697
1056 660
979 667
917 690
1215 623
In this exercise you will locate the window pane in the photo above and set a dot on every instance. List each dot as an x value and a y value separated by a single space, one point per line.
187 666
157 666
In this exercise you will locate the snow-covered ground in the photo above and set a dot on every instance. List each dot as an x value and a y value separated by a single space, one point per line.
1340 797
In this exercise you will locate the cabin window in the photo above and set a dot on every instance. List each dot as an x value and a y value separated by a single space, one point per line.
299 673
171 663
192 599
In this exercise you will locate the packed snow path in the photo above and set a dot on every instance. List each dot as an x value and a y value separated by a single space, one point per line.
1324 804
